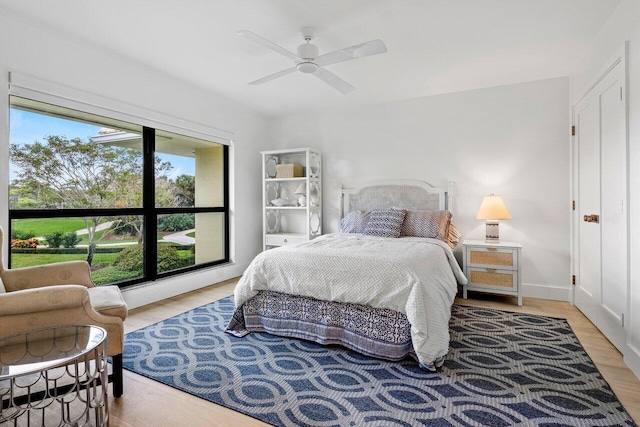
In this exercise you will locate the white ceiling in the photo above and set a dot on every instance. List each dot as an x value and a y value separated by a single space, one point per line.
434 46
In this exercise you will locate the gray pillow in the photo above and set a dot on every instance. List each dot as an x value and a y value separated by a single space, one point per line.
354 222
385 223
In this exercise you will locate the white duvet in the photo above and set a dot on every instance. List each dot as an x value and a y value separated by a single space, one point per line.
412 275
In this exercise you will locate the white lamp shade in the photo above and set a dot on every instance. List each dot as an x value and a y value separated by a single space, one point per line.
302 189
493 208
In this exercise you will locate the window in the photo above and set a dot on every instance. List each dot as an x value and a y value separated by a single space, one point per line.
136 202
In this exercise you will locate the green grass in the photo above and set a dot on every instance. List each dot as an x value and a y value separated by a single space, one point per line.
29 260
40 227
84 239
192 234
102 276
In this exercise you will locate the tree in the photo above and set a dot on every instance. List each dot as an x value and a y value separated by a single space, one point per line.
74 174
27 194
186 190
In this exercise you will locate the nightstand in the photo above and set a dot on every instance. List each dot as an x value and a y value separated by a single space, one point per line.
493 268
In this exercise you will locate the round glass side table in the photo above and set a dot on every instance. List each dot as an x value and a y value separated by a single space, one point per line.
55 377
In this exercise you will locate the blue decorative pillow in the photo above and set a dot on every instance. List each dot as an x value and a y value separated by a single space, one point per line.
387 223
354 222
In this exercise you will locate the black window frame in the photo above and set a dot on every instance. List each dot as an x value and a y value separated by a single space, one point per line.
149 213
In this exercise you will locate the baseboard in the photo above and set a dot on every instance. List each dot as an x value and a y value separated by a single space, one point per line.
555 293
632 359
150 292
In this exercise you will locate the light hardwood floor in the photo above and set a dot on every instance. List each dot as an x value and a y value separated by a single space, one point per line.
148 403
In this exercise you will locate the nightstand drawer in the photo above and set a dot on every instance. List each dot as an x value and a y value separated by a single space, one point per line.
493 278
492 257
283 239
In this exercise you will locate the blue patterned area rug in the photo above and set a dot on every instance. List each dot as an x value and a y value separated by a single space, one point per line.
502 369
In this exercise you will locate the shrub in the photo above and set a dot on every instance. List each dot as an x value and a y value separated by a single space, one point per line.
112 275
24 243
190 260
177 222
54 240
22 234
70 240
168 259
130 258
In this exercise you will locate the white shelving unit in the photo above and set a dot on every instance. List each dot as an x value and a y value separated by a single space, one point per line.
285 219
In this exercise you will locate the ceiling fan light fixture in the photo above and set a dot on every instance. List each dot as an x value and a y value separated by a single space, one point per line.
307 67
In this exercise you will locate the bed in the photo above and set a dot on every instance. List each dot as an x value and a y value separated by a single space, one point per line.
373 292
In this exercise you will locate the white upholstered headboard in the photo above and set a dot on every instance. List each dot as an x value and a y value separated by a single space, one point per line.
407 194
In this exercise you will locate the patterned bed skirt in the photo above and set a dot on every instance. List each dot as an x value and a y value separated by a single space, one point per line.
375 332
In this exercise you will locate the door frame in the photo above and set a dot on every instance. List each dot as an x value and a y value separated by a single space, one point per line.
619 57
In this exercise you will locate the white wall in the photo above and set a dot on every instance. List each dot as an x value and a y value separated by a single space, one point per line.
622 26
34 52
509 140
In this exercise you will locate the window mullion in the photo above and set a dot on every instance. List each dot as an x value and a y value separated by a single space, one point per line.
148 204
226 204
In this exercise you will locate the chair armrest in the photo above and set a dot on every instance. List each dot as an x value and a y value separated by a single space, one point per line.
39 308
64 297
59 273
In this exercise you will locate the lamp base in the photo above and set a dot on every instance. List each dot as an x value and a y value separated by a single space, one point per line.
492 234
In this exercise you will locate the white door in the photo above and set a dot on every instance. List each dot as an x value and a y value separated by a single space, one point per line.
600 219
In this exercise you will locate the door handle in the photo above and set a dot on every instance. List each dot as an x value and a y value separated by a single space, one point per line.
592 218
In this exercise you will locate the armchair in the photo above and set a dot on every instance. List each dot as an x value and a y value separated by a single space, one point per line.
62 294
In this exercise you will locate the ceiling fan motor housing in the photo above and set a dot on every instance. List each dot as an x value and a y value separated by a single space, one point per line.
308 52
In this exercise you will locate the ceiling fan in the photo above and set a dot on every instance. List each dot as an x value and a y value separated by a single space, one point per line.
308 60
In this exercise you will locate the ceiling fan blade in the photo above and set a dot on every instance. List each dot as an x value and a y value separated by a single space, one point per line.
274 76
333 81
373 47
266 43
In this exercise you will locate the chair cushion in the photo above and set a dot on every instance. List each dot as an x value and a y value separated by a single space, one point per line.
108 300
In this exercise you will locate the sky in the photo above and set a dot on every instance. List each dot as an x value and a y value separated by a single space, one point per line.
27 127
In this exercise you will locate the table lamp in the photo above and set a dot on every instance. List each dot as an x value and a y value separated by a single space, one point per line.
302 192
492 210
